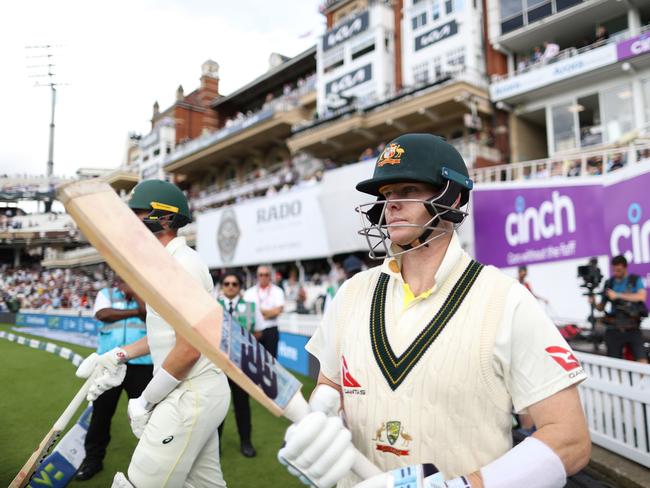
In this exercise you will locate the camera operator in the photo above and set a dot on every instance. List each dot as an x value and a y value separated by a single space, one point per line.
626 297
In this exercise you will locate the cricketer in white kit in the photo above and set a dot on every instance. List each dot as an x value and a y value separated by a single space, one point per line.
432 351
179 412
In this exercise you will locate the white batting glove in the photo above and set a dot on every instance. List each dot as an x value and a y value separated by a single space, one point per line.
417 476
139 412
318 450
108 369
139 409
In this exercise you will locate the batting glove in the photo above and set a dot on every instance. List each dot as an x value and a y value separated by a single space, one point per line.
108 369
318 450
417 476
139 412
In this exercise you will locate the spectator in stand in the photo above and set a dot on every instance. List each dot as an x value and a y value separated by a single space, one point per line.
551 50
366 154
269 304
537 54
601 34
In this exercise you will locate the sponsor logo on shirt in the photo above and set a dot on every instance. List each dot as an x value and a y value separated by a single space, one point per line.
350 385
392 438
563 357
167 440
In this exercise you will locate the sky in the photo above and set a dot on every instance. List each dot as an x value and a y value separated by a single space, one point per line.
115 59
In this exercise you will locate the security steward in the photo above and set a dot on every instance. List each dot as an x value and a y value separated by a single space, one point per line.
243 312
626 297
122 313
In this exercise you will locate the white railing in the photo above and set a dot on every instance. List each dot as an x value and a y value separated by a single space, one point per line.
586 163
570 52
616 400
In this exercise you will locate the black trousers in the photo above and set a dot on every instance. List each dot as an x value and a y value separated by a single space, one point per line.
615 339
242 406
99 431
270 339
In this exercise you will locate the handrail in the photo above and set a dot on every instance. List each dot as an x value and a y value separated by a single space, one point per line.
585 163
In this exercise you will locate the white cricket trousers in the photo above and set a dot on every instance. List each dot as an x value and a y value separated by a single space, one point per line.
180 444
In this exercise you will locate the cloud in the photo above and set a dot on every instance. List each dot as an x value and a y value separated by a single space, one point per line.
118 58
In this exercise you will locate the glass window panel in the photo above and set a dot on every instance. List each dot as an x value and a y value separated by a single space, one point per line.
617 110
645 84
564 127
591 130
510 8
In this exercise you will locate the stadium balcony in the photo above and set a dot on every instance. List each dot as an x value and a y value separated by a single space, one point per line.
594 162
82 256
568 69
244 135
34 229
427 107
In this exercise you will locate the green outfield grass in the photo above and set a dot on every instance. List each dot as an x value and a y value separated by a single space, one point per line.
36 387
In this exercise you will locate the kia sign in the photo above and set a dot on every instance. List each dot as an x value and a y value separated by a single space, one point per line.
353 78
521 226
436 35
633 47
345 31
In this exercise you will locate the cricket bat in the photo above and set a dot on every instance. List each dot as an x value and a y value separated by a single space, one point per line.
58 469
24 475
137 256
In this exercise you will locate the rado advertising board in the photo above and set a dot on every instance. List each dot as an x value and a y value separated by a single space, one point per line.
285 227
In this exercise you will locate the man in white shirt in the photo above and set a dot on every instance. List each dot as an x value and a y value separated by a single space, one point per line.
269 303
551 50
177 416
431 351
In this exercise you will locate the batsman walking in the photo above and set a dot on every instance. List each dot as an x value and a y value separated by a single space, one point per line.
432 351
177 416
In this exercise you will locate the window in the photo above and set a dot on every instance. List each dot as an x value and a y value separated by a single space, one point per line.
645 84
437 67
564 126
156 152
363 47
332 59
436 10
456 57
419 20
421 73
617 111
510 8
449 6
363 51
591 130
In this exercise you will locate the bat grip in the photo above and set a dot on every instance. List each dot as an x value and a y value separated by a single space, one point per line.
298 408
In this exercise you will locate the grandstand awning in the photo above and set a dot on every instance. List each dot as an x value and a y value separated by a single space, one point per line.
344 138
265 129
122 180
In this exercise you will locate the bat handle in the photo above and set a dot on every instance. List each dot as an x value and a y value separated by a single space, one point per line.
298 408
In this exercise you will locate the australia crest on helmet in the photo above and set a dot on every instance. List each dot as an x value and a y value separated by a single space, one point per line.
392 154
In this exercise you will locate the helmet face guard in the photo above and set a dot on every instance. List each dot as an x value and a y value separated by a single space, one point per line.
377 232
163 216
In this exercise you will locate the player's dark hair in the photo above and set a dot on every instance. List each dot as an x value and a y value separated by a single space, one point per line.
619 260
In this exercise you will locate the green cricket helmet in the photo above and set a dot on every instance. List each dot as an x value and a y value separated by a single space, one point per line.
165 202
420 158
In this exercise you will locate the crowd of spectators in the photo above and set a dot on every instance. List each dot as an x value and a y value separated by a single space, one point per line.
49 289
550 51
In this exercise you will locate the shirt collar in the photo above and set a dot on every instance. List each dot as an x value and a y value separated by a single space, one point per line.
175 244
393 266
